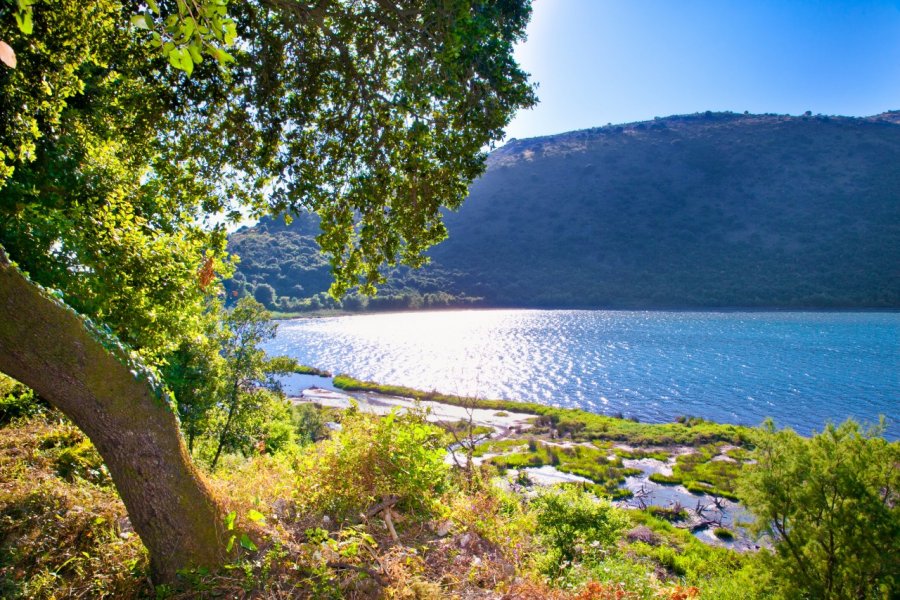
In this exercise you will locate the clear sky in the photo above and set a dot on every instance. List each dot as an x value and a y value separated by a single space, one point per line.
617 61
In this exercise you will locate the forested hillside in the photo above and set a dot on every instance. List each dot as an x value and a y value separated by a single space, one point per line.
704 210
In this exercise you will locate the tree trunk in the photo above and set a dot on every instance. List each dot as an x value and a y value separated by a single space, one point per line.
47 346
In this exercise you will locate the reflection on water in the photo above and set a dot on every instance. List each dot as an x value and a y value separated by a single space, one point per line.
803 369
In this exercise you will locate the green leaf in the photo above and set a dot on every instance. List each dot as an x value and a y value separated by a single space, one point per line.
140 21
153 6
229 520
222 56
181 59
187 27
247 543
230 543
230 32
194 51
23 20
255 516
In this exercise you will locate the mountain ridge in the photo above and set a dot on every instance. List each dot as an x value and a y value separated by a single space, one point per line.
710 210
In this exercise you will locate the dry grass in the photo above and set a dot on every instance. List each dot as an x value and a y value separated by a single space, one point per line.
61 538
64 534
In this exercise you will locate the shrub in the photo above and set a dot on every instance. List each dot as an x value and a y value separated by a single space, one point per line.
830 503
17 401
265 295
571 522
664 479
372 457
309 422
723 534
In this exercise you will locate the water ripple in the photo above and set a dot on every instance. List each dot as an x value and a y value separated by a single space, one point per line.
802 369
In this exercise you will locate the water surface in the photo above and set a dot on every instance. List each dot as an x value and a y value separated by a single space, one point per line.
802 369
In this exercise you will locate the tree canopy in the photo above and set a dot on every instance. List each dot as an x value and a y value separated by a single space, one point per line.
134 132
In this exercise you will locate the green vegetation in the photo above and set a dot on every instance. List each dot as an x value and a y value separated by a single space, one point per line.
664 479
553 222
578 425
831 505
305 370
371 459
702 472
723 534
583 461
310 521
126 156
568 518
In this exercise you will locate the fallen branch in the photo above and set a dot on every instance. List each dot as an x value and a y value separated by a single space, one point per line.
384 507
380 580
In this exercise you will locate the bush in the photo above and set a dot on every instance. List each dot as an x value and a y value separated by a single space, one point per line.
309 423
265 295
573 524
723 534
830 503
17 401
372 457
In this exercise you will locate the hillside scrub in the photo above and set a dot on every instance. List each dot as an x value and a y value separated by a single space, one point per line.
124 157
553 222
302 524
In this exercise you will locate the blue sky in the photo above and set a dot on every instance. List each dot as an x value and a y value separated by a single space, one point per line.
617 61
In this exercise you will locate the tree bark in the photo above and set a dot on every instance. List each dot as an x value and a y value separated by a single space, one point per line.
47 346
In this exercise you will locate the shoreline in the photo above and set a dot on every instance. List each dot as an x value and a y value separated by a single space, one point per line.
520 438
325 314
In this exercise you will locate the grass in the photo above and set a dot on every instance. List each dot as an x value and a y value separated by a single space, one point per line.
723 534
575 424
61 534
584 461
664 479
639 454
307 370
701 474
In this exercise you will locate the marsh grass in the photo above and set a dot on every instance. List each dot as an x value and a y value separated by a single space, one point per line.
576 424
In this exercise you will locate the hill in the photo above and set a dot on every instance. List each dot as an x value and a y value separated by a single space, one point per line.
704 210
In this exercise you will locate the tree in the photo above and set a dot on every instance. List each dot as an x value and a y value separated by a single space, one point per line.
249 374
830 504
265 295
373 114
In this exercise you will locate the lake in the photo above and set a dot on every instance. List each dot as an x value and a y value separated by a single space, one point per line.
803 369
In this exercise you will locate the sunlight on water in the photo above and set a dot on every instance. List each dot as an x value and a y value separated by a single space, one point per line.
803 369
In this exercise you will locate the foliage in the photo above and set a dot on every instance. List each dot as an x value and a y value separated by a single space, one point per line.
309 422
830 504
574 525
17 401
95 200
61 537
251 405
371 458
701 473
723 534
582 461
119 174
195 374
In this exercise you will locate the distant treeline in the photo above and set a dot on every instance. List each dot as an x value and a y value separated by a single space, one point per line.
706 210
